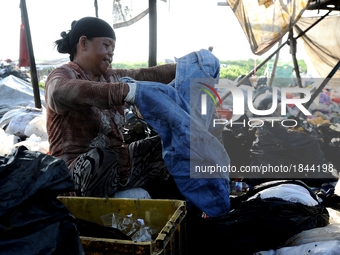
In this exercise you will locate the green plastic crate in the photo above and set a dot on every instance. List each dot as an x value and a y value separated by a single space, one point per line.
166 215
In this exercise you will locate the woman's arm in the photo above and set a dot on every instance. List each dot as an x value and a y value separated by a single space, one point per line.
63 92
163 73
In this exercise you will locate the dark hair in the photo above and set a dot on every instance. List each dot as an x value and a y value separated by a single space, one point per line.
90 27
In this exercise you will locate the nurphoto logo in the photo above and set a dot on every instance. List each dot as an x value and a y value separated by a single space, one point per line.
239 102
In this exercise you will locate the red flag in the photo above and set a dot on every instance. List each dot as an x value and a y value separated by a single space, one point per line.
23 57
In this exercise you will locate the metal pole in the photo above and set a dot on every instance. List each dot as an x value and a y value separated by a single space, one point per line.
33 69
152 33
96 8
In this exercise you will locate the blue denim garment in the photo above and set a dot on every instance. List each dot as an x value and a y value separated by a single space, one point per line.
174 111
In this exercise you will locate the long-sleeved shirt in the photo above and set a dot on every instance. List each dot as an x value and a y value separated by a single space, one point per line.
83 114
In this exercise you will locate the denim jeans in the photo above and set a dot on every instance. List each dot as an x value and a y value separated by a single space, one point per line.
174 111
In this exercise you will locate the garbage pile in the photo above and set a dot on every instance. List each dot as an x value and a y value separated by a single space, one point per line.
312 141
7 68
21 123
23 126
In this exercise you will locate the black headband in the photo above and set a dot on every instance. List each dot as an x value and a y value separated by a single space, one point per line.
90 27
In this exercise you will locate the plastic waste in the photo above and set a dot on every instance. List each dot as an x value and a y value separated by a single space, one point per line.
37 126
111 219
238 187
7 142
34 143
143 234
129 225
16 121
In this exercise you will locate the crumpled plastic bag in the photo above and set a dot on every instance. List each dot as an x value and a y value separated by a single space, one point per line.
15 121
37 126
7 142
34 143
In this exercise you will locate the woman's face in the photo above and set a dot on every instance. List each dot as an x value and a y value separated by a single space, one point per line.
99 53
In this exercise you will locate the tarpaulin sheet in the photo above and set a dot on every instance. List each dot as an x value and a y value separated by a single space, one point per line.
265 22
15 92
321 45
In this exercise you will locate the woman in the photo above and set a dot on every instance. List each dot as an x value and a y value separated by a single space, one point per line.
85 114
85 103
